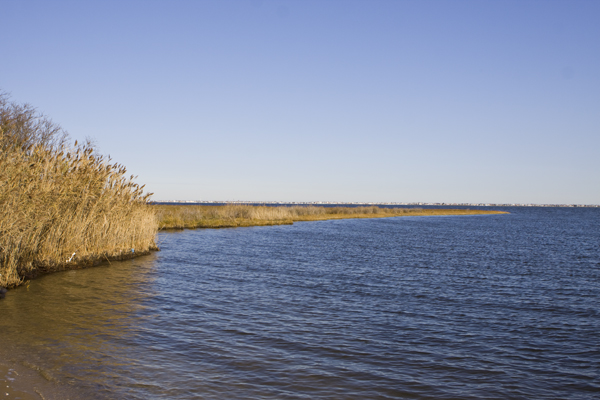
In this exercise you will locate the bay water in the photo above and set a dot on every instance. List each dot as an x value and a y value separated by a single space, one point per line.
458 307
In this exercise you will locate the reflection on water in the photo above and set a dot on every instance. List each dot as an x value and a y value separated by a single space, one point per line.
418 307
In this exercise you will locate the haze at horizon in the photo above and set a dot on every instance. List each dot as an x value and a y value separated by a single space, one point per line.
377 101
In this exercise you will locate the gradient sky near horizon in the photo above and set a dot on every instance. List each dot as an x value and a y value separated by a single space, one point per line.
370 101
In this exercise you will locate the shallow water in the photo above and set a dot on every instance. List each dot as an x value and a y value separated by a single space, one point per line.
497 306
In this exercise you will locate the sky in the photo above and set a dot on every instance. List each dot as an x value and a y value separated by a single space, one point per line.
347 101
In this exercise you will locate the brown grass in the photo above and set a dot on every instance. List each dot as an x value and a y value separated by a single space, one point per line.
62 206
197 216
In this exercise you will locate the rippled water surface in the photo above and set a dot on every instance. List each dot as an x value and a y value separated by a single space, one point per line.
503 306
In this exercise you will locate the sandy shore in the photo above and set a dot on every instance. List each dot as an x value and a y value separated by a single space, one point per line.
21 382
17 382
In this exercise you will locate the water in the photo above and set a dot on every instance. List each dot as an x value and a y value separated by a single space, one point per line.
498 306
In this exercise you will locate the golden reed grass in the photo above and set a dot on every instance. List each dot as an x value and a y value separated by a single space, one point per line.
232 215
62 206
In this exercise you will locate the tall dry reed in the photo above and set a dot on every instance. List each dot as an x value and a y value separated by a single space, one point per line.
62 206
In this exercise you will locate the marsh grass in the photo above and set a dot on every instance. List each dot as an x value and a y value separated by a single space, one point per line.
233 215
63 206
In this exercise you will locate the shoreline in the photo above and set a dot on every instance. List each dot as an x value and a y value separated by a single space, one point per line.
87 262
179 218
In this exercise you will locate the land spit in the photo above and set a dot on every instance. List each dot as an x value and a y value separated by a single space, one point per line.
231 216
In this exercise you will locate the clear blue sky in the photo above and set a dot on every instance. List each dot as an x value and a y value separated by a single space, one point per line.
433 101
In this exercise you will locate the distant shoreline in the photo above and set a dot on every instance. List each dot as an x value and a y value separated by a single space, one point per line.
333 203
193 216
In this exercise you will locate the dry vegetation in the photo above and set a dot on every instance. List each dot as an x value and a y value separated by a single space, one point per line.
62 206
192 216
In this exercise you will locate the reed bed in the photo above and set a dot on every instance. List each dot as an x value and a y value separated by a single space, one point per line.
63 206
233 215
